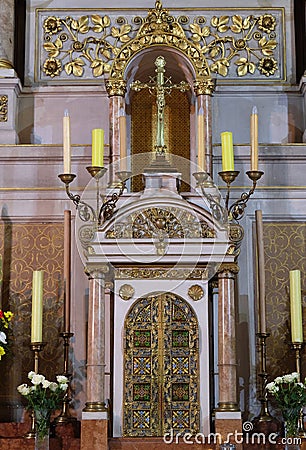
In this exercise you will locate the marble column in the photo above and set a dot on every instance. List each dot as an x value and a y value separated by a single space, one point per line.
204 89
95 414
7 28
116 91
227 358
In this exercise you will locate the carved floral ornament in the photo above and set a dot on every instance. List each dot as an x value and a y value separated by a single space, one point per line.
101 45
170 221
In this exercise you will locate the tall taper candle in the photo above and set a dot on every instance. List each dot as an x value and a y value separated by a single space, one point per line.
261 272
67 269
97 147
254 139
200 135
296 306
66 143
37 306
227 151
122 140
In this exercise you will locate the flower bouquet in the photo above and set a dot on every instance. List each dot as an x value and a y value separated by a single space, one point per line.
43 397
290 396
5 319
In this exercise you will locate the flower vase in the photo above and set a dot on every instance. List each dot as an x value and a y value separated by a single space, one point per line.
292 439
42 429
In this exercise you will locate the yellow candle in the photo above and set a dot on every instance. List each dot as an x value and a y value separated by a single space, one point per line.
97 147
66 143
227 151
201 152
296 306
254 139
37 306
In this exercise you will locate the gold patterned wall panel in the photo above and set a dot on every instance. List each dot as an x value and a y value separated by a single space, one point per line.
24 248
177 129
285 250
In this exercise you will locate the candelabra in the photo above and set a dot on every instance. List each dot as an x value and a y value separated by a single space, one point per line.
235 211
36 348
105 207
65 416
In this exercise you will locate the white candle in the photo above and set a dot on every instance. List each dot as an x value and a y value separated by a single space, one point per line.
37 306
66 143
122 140
254 139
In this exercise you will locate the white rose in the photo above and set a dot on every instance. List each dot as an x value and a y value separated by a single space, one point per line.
62 379
37 379
23 389
53 386
270 386
63 386
3 337
31 375
46 384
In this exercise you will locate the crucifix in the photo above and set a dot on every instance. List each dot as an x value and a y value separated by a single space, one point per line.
160 87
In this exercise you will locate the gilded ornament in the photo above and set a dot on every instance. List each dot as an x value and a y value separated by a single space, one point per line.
126 292
204 86
267 66
5 64
52 67
195 292
115 87
161 273
52 25
3 108
106 46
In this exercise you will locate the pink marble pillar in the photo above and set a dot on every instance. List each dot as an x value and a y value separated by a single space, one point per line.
227 359
116 91
96 342
204 89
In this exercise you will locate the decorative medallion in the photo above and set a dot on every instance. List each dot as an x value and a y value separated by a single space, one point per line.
195 292
126 291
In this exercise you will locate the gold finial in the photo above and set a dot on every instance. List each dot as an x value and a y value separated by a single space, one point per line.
158 5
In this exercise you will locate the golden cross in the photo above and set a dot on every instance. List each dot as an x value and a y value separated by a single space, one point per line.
159 86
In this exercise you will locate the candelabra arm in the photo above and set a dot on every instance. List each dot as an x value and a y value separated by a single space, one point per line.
217 210
107 209
86 211
236 210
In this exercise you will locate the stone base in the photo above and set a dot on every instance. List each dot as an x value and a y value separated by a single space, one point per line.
94 435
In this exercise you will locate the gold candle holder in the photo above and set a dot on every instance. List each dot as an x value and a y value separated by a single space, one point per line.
297 347
65 416
36 348
96 171
264 415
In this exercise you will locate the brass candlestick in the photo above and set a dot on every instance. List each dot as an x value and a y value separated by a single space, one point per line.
264 415
297 347
36 348
65 416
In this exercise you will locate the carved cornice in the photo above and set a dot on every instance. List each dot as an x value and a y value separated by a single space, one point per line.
97 272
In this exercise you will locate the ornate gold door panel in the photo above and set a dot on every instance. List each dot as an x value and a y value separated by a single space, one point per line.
161 367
